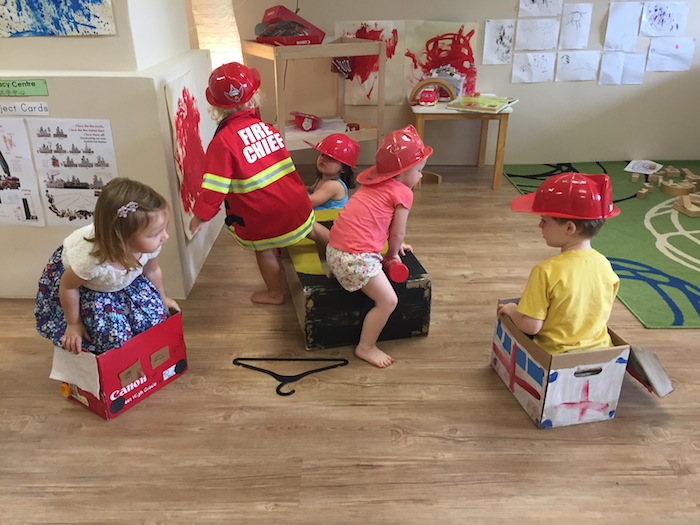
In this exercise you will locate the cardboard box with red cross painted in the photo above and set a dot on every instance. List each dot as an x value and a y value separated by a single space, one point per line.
558 390
111 383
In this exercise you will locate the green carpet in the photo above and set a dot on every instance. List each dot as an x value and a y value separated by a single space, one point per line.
653 248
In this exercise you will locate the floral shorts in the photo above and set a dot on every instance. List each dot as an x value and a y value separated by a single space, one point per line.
353 270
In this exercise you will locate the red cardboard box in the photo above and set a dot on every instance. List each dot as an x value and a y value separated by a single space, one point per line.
124 376
279 13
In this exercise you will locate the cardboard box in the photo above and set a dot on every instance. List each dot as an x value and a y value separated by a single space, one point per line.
111 383
559 389
279 13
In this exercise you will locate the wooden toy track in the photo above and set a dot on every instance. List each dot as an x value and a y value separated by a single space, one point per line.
431 82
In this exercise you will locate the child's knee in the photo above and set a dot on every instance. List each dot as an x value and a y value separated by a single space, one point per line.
389 302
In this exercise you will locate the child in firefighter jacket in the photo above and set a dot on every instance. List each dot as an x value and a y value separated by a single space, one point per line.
249 169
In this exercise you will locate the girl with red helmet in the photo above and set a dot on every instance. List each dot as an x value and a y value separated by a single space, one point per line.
568 298
334 171
249 169
376 213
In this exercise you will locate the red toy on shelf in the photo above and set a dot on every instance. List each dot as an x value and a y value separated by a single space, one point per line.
280 26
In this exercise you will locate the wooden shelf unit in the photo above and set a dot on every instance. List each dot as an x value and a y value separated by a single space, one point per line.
342 47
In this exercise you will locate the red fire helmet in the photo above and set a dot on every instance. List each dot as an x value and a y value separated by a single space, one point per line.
232 85
399 151
305 121
339 147
570 196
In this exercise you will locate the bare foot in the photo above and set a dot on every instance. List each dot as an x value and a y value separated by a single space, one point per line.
264 297
374 356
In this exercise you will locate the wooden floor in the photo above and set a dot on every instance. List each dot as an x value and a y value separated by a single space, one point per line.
434 439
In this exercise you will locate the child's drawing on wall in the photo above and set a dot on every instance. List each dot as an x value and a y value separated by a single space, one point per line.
53 18
444 47
498 41
575 26
533 67
664 18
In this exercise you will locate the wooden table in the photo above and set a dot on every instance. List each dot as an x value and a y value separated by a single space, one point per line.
421 114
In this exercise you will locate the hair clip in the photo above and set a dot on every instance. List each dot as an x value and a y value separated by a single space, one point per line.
128 207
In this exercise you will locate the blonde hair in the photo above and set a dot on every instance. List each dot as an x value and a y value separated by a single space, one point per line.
124 207
218 114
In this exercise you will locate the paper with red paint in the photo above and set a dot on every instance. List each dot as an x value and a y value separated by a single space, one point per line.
430 45
192 129
413 49
362 86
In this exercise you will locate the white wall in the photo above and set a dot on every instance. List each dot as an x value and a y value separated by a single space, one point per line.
133 100
553 122
147 32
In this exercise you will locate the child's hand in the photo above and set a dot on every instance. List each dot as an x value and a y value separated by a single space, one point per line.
72 340
405 248
506 309
171 304
388 259
195 224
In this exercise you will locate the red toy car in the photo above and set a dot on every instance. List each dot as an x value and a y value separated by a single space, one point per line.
428 96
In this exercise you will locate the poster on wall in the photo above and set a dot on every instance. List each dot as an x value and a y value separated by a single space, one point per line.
74 159
56 18
191 132
20 204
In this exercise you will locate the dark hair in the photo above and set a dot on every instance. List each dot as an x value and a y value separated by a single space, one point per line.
588 228
347 175
124 207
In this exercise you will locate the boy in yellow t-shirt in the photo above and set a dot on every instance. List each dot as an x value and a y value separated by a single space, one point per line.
568 298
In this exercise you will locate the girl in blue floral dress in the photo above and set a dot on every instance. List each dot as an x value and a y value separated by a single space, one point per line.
104 285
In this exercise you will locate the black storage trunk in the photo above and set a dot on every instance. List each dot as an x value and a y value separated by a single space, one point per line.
330 316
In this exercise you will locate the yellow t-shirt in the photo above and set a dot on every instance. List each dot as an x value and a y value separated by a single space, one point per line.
573 294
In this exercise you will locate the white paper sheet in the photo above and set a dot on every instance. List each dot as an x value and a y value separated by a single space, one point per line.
633 69
20 201
533 67
646 167
664 18
575 26
618 68
77 369
537 34
670 54
540 8
623 26
498 41
577 65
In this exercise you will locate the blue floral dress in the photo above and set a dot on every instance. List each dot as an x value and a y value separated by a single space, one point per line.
115 304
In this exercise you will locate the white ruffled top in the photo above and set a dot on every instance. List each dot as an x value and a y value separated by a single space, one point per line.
101 277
